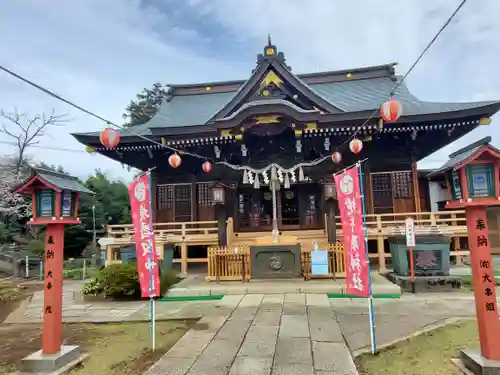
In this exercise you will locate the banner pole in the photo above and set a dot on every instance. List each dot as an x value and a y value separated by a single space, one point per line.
370 298
151 266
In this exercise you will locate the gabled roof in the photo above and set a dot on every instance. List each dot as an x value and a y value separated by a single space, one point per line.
57 181
354 92
465 154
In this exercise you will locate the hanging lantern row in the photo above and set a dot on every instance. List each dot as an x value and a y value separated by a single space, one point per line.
174 160
391 110
109 138
336 157
207 167
355 146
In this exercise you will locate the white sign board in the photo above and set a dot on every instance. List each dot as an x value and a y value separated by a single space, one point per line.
410 232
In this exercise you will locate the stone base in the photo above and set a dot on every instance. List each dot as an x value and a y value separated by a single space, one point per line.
38 363
426 283
477 364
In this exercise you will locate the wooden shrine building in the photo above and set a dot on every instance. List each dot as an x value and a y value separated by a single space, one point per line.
277 116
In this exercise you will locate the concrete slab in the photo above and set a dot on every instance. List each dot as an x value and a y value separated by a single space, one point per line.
251 366
174 366
317 300
294 326
267 318
67 358
293 369
333 357
293 350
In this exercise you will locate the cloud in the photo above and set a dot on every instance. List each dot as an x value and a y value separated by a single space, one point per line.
100 54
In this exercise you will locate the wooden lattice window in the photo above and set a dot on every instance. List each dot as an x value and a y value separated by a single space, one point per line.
382 193
165 196
402 184
182 209
204 195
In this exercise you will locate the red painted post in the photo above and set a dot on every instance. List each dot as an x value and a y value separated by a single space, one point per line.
483 277
53 289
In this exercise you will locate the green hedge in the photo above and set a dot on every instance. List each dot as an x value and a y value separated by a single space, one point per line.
121 281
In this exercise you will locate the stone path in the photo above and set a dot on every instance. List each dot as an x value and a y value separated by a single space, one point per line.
261 335
301 333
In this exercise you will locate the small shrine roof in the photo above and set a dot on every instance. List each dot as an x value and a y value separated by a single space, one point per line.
60 181
459 156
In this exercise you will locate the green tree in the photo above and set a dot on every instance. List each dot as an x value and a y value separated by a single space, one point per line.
144 107
111 202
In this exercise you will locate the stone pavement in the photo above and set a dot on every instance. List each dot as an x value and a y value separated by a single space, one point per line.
301 333
106 311
263 334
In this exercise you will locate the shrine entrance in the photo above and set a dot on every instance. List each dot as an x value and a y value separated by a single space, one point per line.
298 207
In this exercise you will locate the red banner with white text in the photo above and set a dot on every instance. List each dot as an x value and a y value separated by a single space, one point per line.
351 214
142 221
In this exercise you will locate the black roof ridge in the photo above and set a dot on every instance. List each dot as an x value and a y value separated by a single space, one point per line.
482 142
301 76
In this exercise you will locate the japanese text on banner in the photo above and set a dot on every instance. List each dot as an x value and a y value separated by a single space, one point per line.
351 215
147 258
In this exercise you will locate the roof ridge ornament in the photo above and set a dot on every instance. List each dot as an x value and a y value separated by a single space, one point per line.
271 53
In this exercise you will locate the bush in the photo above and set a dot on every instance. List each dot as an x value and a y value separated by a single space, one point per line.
167 279
121 281
36 248
77 273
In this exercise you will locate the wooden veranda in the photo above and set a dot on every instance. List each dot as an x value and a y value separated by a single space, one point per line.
204 233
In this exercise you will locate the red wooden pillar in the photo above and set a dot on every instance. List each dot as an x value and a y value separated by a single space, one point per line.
53 289
484 282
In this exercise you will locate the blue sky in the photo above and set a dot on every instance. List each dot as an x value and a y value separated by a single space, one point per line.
100 54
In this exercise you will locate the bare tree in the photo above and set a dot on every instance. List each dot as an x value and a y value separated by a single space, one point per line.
26 131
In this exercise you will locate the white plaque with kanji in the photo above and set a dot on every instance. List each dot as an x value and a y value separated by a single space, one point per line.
410 232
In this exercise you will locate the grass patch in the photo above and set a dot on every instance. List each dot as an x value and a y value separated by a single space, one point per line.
429 353
467 285
114 349
9 292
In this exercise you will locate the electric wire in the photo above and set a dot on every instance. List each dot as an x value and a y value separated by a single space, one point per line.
393 91
130 131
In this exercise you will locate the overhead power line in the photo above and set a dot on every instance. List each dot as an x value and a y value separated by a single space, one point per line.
182 152
400 82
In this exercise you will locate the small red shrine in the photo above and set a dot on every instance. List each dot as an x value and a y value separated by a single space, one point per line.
54 204
473 179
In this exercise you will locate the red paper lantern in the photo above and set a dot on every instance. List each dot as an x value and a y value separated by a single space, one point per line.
356 146
391 110
174 160
109 138
336 157
206 166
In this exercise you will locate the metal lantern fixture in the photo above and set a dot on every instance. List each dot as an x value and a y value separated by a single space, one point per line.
355 146
206 166
391 110
329 190
109 138
174 160
218 193
336 157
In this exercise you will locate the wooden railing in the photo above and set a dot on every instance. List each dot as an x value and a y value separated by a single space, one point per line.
171 232
235 264
450 223
379 227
